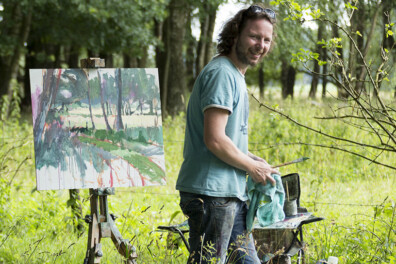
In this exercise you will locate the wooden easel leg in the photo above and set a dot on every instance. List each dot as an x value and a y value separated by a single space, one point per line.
101 224
123 246
94 248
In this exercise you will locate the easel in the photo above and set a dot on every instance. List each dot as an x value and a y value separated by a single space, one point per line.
101 222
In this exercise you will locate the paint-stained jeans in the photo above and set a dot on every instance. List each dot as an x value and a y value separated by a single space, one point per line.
217 230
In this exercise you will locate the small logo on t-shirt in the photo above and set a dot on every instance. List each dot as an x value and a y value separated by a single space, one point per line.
244 129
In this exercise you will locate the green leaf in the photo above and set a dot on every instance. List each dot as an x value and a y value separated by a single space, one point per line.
296 6
93 10
173 216
350 6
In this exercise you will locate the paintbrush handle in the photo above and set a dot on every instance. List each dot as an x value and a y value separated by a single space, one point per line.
283 164
290 162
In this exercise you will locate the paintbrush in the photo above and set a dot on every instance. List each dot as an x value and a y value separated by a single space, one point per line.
291 162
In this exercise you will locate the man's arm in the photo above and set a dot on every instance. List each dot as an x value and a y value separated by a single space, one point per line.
251 155
216 140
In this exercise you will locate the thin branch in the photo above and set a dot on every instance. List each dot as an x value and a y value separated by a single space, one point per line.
11 229
17 170
5 154
344 150
365 65
312 129
369 130
357 98
361 127
347 116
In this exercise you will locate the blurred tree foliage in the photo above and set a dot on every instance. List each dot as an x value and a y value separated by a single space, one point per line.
151 33
53 34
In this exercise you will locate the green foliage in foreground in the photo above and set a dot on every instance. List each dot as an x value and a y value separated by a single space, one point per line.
356 198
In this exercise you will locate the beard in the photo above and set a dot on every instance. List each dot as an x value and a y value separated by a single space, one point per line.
243 56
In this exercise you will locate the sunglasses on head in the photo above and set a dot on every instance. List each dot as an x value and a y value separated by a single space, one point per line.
258 9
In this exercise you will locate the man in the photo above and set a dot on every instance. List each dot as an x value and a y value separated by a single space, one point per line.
212 178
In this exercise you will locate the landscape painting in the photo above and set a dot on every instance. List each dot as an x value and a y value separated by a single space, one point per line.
96 128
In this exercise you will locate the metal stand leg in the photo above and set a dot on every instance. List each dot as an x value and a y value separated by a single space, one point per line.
101 224
301 253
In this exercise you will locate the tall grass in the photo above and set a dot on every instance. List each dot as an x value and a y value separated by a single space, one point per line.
356 198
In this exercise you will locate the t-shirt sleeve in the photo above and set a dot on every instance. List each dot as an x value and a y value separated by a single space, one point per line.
218 89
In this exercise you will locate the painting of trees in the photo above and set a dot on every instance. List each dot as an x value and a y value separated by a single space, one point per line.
75 144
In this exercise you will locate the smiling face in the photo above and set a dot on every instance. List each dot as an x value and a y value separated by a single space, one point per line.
253 43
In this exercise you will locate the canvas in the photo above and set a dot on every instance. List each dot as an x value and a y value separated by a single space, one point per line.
97 128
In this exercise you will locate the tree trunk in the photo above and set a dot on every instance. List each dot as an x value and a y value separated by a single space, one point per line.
355 61
352 52
209 34
291 79
362 72
142 61
315 81
324 71
129 61
108 59
394 95
73 56
27 98
387 42
176 78
190 54
201 48
261 80
57 62
315 74
288 77
205 48
360 26
9 65
341 93
388 6
162 59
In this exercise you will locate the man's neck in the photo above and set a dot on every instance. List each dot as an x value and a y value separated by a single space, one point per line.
241 67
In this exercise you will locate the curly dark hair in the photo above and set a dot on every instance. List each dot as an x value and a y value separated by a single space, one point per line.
233 27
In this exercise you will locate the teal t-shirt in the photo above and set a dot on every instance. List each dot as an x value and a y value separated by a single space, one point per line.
219 85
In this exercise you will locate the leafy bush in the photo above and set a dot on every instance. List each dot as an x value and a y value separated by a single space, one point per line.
37 227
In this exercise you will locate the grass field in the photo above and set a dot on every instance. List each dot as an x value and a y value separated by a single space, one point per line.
357 198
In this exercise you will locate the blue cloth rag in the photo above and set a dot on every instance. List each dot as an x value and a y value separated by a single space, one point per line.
266 202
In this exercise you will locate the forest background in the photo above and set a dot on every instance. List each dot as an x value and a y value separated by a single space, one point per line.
327 91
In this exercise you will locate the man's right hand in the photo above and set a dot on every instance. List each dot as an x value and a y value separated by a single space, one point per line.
261 172
216 140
